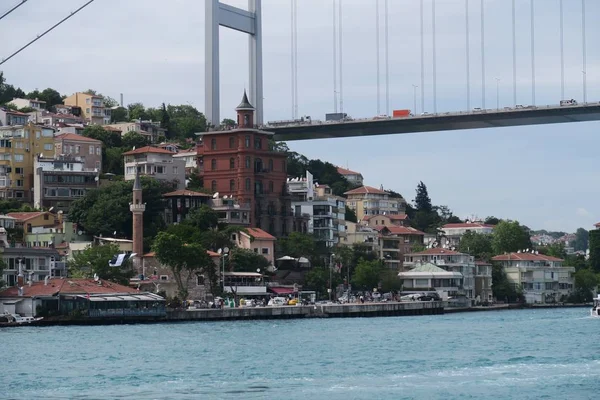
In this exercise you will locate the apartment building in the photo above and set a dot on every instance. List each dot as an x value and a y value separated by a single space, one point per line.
19 147
10 117
150 129
36 104
156 163
396 241
385 220
180 202
367 200
190 158
92 107
355 178
543 279
454 232
84 148
59 181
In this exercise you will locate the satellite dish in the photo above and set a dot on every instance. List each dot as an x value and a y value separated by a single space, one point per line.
96 278
51 209
216 195
220 251
115 233
80 233
226 250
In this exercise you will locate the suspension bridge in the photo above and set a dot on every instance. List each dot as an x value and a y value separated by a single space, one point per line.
341 125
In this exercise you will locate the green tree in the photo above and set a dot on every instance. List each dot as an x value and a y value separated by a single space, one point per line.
594 244
106 209
576 260
137 111
112 161
119 114
422 200
95 259
492 221
165 120
367 274
8 92
510 236
3 266
185 260
390 282
582 238
478 245
185 121
246 260
109 102
109 138
298 245
586 281
134 139
502 289
228 122
212 234
350 215
51 97
318 279
554 250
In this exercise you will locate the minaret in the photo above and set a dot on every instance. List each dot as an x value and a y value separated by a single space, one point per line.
137 208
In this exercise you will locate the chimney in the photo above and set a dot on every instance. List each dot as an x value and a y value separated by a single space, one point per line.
121 99
46 280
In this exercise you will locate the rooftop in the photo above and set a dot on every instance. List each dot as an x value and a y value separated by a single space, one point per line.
366 190
468 225
525 257
24 216
258 233
399 230
74 136
344 171
437 251
148 149
186 193
57 286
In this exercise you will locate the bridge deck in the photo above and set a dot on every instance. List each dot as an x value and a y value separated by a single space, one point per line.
440 122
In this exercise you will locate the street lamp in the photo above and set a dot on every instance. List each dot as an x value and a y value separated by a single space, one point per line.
223 254
331 275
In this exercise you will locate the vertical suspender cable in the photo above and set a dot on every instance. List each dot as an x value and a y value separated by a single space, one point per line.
292 58
296 57
514 49
467 54
377 53
340 60
584 51
387 63
562 54
532 53
422 64
335 66
434 58
482 56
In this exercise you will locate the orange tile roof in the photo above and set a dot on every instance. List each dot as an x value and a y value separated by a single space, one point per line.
399 230
148 149
365 190
258 233
344 171
437 251
68 286
525 257
468 225
187 193
393 217
210 253
74 136
24 216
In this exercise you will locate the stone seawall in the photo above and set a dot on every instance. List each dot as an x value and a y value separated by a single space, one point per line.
314 311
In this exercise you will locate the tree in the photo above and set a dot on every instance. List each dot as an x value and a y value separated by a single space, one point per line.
134 139
112 161
165 120
422 200
8 92
137 111
298 245
502 289
576 260
228 122
109 138
185 121
582 237
554 250
95 259
51 97
91 92
367 274
2 268
492 221
318 279
350 215
510 236
109 102
479 245
586 281
246 260
390 282
212 235
594 243
185 260
119 114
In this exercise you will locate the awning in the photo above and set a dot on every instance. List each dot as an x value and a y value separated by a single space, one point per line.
281 290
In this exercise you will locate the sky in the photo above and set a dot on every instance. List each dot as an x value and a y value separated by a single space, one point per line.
152 51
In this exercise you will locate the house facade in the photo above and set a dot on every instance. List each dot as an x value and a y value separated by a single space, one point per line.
355 178
156 163
542 279
396 241
29 103
259 241
87 149
367 200
92 107
10 117
454 232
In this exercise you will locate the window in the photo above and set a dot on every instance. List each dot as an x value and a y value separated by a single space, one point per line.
164 277
270 164
19 182
248 162
19 170
258 143
284 165
213 144
270 186
48 146
159 169
77 149
246 120
248 184
232 142
87 110
91 149
247 141
38 134
18 157
199 280
213 164
265 250
98 150
174 170
213 186
232 163
232 185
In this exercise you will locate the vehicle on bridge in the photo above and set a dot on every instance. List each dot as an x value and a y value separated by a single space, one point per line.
401 113
306 120
571 102
336 117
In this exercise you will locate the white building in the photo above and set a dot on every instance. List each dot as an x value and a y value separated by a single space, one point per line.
156 163
355 178
427 277
455 231
29 103
543 279
189 157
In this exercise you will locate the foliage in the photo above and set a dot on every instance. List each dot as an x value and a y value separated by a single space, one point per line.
582 238
297 245
228 122
553 250
108 138
109 102
137 111
594 244
422 200
119 114
502 289
92 211
317 279
325 173
367 274
350 215
478 245
510 236
95 259
8 92
2 268
390 282
492 221
112 160
576 260
246 260
134 139
185 121
586 281
165 120
183 259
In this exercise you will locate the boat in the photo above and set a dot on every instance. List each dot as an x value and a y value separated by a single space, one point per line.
595 311
18 319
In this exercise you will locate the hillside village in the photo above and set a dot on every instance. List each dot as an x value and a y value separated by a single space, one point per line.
203 212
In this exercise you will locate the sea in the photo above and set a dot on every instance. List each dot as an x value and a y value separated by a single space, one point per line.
513 354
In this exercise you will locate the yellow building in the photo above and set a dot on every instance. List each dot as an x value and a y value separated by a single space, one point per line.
19 146
92 107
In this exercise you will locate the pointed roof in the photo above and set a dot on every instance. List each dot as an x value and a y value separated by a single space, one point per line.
136 184
245 104
429 271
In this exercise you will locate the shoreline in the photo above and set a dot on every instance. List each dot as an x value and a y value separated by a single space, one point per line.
371 310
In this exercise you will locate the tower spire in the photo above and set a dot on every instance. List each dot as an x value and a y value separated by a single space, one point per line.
137 208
